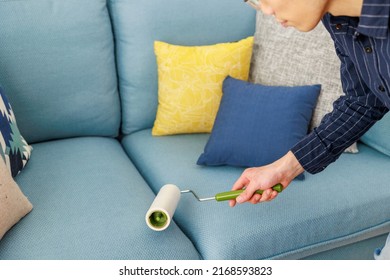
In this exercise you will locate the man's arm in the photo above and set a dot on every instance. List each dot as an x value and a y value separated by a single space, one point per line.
352 115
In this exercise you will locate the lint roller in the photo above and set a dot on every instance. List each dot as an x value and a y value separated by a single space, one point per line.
160 213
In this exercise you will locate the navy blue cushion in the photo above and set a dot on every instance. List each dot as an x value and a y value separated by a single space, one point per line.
258 124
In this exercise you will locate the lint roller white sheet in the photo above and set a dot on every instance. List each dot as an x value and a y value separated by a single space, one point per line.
163 207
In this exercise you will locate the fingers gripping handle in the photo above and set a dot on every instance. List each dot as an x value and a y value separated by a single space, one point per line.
233 194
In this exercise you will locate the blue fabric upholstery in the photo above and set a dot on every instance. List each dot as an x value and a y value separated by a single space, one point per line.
58 68
346 203
89 203
137 24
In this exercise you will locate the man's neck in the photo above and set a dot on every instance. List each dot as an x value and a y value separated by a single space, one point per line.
351 8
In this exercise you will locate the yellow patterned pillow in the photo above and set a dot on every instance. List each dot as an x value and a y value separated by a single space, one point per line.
190 83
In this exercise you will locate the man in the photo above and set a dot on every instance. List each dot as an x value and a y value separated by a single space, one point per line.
360 30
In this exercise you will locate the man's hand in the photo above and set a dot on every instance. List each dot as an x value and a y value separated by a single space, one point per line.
264 178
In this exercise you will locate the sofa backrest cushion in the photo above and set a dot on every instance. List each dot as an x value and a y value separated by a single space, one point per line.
137 24
57 66
378 136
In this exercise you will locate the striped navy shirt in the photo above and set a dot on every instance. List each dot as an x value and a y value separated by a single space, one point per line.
363 46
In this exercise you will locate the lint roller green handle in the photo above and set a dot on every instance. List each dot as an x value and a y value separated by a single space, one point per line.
223 196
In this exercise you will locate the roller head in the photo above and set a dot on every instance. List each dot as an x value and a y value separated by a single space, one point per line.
160 213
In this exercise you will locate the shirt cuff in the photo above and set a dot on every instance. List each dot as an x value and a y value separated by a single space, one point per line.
312 153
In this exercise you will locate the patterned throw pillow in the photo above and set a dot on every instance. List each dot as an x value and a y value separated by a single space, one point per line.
190 83
14 149
288 57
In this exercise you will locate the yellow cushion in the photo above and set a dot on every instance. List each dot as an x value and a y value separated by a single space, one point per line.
190 83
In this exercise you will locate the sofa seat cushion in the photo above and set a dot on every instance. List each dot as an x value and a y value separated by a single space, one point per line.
89 203
346 203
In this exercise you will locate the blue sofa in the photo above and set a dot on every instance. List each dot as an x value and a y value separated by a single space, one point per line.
82 79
